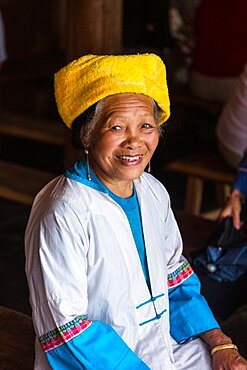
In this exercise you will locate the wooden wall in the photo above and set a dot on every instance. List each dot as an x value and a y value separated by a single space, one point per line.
41 36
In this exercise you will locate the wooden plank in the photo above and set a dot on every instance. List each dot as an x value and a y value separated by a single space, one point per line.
193 195
21 184
32 127
207 166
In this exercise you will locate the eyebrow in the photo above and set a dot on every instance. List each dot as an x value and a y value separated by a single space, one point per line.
124 117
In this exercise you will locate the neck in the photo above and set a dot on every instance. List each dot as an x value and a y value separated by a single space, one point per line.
123 189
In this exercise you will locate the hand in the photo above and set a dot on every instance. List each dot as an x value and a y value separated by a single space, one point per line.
224 359
228 359
233 208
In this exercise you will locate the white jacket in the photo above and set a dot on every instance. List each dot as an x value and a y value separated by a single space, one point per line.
82 257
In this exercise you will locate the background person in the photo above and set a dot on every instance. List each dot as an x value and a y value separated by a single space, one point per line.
231 129
238 195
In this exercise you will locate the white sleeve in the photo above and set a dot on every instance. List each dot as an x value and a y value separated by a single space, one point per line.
56 267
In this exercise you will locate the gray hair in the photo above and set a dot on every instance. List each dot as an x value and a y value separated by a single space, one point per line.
88 126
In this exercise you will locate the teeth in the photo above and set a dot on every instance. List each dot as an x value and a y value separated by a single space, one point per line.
130 159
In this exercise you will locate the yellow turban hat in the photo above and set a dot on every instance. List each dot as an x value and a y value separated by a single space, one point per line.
91 78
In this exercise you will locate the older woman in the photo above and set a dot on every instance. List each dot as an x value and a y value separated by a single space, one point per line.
109 287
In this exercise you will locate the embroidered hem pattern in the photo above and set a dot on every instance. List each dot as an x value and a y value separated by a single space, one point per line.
179 275
64 333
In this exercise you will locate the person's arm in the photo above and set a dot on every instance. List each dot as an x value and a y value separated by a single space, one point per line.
233 206
56 249
97 346
240 182
190 315
224 357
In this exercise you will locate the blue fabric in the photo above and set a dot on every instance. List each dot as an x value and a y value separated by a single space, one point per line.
99 347
190 314
240 182
132 211
79 173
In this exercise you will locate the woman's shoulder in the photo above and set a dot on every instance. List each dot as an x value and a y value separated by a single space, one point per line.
150 182
61 193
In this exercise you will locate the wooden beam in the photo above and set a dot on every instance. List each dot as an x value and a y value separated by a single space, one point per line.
31 127
92 27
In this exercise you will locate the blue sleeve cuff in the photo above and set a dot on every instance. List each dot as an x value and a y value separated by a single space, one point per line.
190 314
98 347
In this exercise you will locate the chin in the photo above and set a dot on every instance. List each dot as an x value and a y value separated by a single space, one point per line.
133 175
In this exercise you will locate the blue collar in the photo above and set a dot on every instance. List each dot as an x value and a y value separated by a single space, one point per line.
79 173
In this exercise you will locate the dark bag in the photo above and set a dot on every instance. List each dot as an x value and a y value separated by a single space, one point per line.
224 257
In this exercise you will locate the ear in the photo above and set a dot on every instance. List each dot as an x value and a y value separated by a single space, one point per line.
84 139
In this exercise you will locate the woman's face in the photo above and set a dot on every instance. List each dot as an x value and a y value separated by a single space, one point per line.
123 141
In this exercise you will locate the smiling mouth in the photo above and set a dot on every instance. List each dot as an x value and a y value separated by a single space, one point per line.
129 158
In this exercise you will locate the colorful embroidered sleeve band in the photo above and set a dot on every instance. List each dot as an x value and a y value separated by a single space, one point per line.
64 333
179 275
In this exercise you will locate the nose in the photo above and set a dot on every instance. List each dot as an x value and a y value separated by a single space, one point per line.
132 140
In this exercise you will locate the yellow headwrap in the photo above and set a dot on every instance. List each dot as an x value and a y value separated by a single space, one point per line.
91 78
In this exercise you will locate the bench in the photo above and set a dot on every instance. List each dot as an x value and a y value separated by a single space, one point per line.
31 127
18 182
194 230
21 184
198 168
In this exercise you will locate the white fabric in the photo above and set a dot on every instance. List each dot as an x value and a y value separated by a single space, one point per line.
80 250
231 129
191 355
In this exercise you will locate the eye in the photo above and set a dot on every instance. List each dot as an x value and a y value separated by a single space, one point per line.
115 128
147 125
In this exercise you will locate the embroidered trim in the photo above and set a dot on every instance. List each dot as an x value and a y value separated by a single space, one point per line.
179 275
64 333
